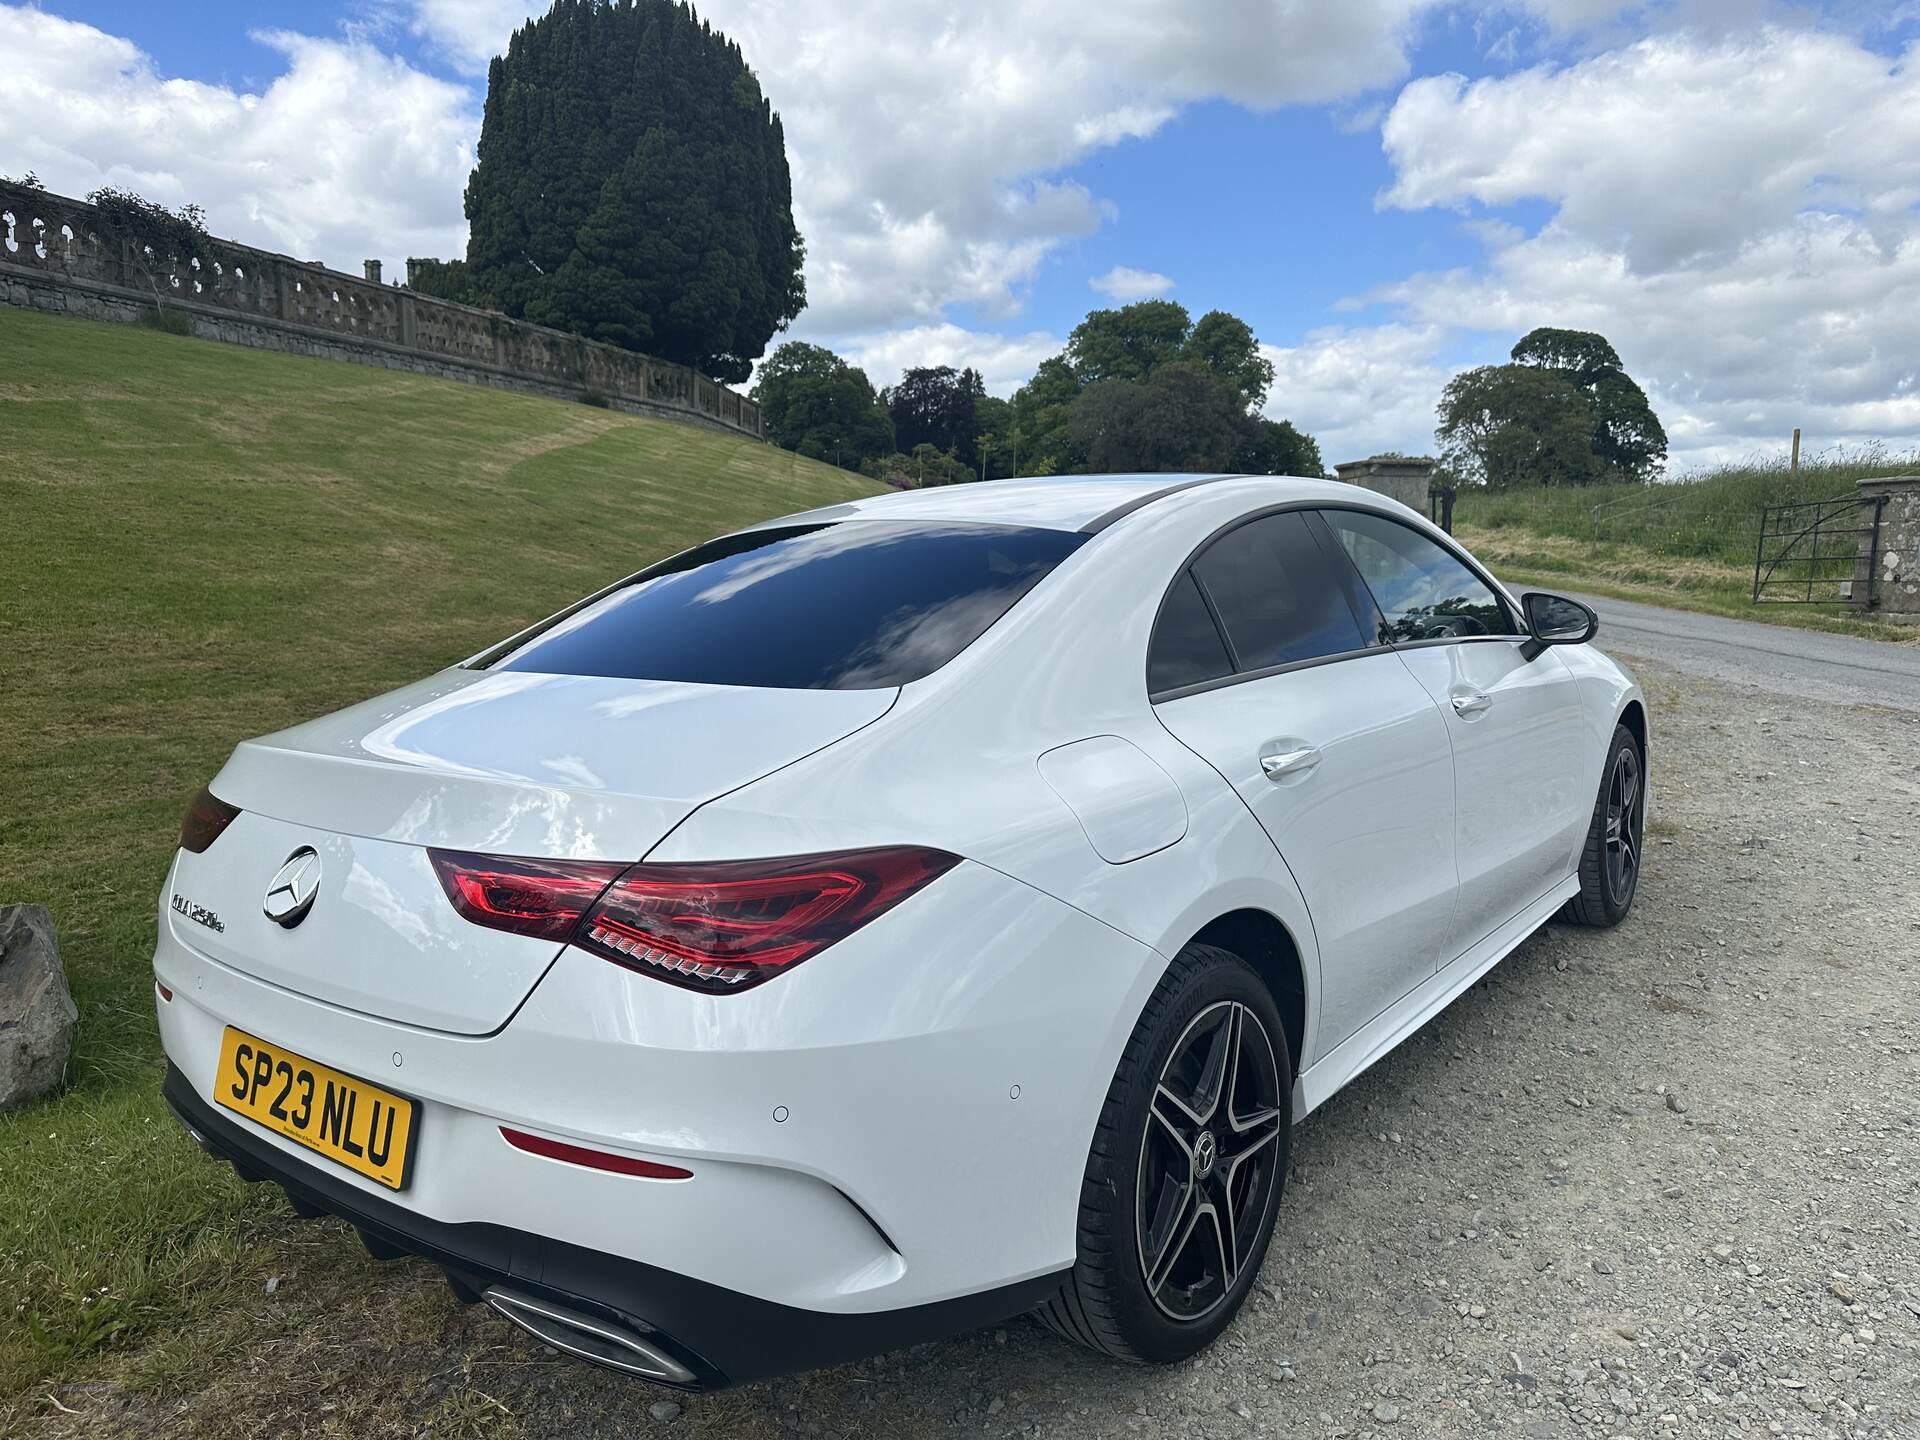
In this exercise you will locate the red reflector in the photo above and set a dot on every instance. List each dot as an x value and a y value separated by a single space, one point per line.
594 1159
544 898
165 993
724 926
206 817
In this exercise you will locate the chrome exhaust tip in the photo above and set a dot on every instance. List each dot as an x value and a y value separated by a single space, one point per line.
588 1337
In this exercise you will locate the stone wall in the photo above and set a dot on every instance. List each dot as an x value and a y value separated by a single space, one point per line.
1896 556
1402 478
52 258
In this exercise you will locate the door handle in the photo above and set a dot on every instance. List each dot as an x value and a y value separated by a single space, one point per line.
1471 702
1290 762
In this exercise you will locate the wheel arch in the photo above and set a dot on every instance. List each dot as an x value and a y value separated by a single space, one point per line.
1633 715
1268 947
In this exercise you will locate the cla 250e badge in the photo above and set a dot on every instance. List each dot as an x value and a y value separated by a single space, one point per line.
199 914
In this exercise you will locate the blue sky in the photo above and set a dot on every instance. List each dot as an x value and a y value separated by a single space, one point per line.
1387 190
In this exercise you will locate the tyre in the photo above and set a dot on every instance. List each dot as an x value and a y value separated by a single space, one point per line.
1187 1165
1610 860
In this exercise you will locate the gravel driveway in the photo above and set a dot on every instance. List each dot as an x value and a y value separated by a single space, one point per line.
1658 1181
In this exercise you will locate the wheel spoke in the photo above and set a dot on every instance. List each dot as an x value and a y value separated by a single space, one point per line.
1220 1221
1254 1132
1179 1231
1217 1078
1176 1122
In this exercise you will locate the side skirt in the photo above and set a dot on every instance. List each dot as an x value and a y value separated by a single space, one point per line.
1359 1052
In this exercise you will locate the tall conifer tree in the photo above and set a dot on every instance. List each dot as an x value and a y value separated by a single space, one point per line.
632 187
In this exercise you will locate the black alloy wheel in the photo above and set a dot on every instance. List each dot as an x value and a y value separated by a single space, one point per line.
1207 1159
1185 1173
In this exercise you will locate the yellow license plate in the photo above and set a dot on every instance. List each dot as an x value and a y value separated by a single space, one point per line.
352 1123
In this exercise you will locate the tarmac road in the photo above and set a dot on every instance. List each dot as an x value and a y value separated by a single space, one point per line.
1809 664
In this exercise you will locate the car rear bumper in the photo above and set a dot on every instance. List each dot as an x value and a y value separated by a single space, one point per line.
713 1335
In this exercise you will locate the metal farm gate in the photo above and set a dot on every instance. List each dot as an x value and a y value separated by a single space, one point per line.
1819 552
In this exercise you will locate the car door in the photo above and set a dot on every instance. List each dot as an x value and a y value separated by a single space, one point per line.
1512 710
1261 665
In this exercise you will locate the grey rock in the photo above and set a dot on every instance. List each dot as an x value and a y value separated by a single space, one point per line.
664 1410
37 1013
1675 1103
1386 1412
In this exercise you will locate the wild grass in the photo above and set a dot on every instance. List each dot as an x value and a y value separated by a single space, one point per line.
199 543
1689 541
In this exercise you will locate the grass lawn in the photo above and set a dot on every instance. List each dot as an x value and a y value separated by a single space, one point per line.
202 543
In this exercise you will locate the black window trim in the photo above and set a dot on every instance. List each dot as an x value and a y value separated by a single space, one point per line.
1336 562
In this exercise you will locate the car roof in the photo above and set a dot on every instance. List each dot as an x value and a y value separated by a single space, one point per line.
1062 502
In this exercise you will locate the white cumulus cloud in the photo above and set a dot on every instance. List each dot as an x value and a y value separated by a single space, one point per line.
1126 284
1736 212
1004 361
1363 389
349 154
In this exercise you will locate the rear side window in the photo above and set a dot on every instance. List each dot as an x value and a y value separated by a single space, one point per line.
1423 592
859 605
1187 648
1276 595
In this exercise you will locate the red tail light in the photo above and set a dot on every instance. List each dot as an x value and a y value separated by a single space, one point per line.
730 925
545 898
206 817
719 927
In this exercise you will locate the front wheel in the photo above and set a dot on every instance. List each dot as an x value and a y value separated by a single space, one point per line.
1186 1169
1610 860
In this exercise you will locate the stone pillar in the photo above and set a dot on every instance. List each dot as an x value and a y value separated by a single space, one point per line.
1895 553
372 268
1403 478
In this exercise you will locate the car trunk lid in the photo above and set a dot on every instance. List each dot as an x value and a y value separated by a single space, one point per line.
553 766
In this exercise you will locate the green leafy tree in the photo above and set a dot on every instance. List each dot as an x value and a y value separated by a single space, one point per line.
632 187
1128 343
1582 352
992 426
818 405
1041 409
1627 436
1181 417
1225 345
1511 425
1276 447
1103 404
934 405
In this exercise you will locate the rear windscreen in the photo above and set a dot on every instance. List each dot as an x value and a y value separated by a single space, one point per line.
854 606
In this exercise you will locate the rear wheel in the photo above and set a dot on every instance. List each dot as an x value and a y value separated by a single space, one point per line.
1610 861
1186 1169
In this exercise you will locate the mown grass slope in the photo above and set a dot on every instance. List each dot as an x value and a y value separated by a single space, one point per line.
199 543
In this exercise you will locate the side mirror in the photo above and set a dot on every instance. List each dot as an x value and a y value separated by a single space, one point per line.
1556 620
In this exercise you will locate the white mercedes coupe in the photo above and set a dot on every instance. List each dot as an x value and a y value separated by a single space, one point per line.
895 917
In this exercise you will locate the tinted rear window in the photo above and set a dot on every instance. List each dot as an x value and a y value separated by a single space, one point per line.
855 606
1187 648
1278 598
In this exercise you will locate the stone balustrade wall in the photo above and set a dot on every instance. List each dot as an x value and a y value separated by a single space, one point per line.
53 258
